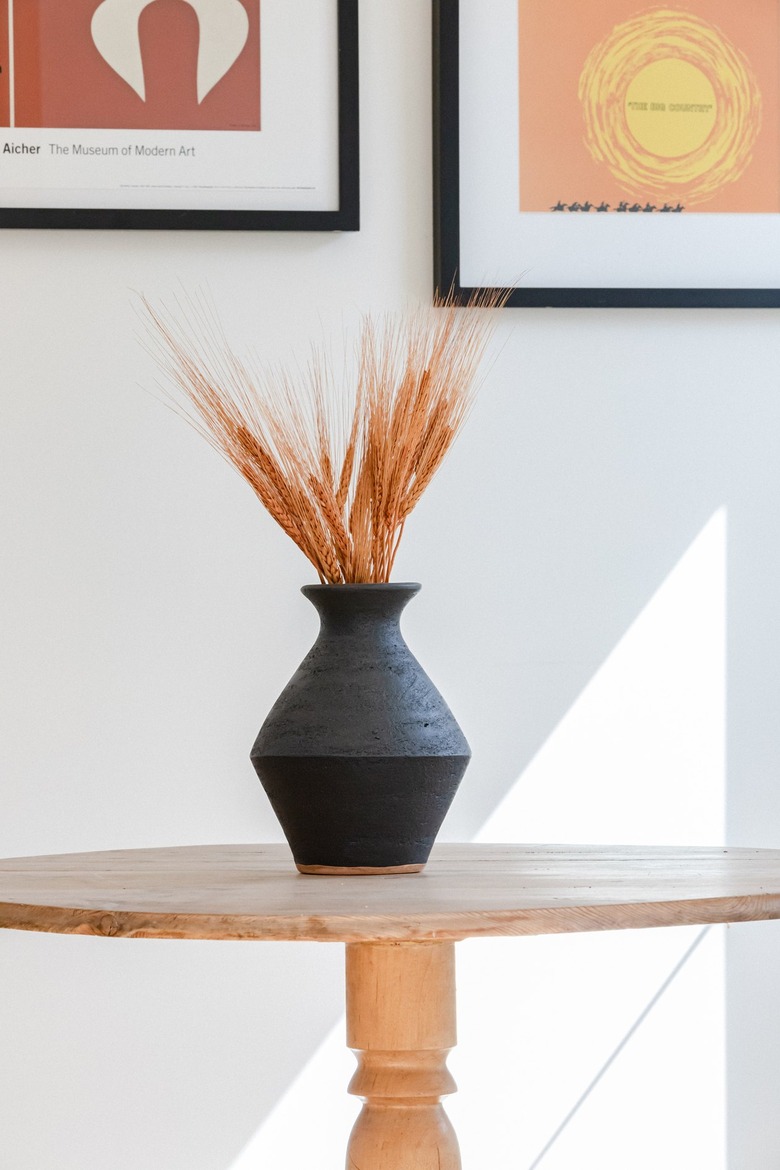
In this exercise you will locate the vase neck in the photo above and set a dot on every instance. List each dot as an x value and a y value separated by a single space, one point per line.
351 608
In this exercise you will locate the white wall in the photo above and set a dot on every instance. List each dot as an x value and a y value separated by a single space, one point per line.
150 614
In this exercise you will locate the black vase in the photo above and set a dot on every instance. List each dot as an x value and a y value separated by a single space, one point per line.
360 756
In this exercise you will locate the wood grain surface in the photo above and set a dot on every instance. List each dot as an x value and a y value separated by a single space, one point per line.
254 892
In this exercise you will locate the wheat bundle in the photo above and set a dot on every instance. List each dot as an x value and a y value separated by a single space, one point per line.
338 464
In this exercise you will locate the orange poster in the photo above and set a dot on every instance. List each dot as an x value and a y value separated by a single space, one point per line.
626 107
132 64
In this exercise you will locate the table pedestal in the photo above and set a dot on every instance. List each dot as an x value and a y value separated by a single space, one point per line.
401 1025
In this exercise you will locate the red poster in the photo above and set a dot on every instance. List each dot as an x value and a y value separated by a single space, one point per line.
135 64
5 112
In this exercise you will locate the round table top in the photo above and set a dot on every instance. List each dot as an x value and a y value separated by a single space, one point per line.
254 892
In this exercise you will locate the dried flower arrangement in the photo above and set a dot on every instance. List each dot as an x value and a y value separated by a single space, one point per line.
339 469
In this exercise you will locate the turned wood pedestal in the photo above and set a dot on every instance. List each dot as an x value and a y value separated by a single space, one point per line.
400 933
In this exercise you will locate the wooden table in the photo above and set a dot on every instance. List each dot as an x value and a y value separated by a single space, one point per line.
400 934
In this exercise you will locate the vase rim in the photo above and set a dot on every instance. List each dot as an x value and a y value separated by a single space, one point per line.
394 586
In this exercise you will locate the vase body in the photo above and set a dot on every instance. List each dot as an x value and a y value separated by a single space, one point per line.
360 756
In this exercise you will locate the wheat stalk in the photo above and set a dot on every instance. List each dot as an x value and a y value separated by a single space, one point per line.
339 470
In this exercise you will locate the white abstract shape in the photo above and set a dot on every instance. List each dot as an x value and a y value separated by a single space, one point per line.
224 29
116 37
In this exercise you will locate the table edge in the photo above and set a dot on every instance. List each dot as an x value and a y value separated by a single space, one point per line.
417 927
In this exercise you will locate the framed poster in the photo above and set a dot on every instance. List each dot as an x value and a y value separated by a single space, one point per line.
231 114
608 152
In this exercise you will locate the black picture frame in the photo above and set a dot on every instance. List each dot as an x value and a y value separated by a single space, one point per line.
447 211
345 218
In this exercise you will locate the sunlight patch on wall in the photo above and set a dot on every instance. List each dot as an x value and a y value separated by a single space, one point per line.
310 1125
558 1064
640 756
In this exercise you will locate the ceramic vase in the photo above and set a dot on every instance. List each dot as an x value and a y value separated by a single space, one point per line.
360 756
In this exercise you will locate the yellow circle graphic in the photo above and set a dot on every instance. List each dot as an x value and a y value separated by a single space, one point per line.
671 107
659 125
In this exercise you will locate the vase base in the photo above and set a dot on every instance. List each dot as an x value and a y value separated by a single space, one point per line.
358 870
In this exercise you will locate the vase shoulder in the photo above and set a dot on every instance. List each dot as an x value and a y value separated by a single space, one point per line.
361 706
360 691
